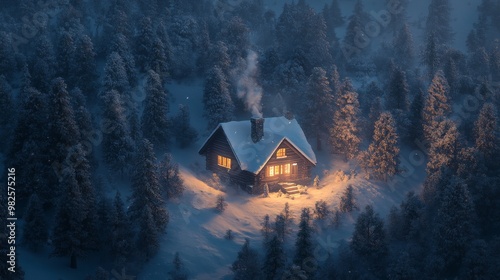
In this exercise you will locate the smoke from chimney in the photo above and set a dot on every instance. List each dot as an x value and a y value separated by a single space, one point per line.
248 88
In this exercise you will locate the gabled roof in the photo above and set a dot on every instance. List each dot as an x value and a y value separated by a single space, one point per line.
252 156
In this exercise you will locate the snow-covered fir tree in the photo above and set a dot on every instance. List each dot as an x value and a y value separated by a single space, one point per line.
303 243
155 123
144 43
146 196
444 146
436 105
121 235
347 200
118 146
184 133
275 259
280 227
246 266
68 232
148 238
35 233
438 21
382 157
404 49
344 137
65 54
84 67
171 183
121 46
486 132
217 103
318 101
115 75
368 239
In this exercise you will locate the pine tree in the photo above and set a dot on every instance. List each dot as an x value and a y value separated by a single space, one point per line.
368 239
120 45
144 41
303 243
454 224
146 193
383 152
35 232
158 60
217 102
178 273
344 137
65 55
29 148
275 259
452 76
185 134
7 58
6 106
431 56
121 242
436 105
68 232
397 98
115 75
85 67
280 227
266 230
415 116
44 62
148 239
318 101
444 147
170 180
404 47
118 146
155 124
355 25
246 266
486 135
411 209
347 200
438 21
220 204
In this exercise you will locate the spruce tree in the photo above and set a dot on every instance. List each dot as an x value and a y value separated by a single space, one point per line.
144 43
486 132
383 152
438 21
217 102
148 239
65 55
280 227
158 60
146 191
170 180
436 105
121 242
303 244
368 239
115 75
344 137
85 67
404 47
430 56
266 230
444 147
454 224
246 266
347 200
44 62
121 46
118 146
397 98
68 232
318 103
155 124
275 259
185 134
35 232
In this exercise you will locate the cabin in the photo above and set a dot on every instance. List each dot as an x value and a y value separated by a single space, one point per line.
259 151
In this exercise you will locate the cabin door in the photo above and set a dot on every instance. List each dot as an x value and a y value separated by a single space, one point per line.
294 171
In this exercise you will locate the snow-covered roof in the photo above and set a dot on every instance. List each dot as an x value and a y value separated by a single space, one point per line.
252 156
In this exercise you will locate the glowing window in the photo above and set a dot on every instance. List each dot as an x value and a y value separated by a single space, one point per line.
286 169
224 161
278 170
271 171
281 153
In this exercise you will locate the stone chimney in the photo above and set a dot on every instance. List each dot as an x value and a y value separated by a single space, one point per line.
257 129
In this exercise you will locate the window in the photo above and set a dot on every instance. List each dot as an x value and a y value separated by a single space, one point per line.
281 153
276 170
224 162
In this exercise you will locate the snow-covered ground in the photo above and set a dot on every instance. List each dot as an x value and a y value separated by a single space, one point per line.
197 231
